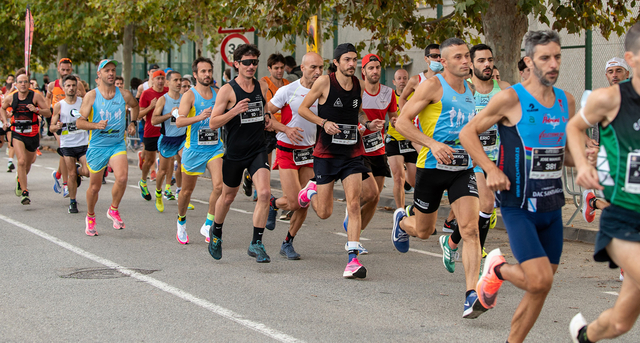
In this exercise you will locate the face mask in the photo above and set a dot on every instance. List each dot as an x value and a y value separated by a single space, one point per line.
436 66
224 79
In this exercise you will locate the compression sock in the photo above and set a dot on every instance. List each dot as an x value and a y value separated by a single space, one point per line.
209 220
353 249
289 238
257 234
483 226
217 230
455 236
582 335
182 219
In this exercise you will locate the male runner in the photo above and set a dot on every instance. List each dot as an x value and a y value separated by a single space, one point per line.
296 138
442 163
103 112
432 57
73 142
203 148
8 84
617 110
146 85
531 118
148 101
240 109
26 105
525 72
119 81
338 151
496 73
185 85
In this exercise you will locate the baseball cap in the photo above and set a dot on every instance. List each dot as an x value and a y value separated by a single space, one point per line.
104 63
153 66
158 73
343 49
616 62
369 58
167 70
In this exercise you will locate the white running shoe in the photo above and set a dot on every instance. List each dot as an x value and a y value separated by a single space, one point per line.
204 230
181 235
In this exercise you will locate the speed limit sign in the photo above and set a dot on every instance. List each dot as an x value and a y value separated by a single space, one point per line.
229 45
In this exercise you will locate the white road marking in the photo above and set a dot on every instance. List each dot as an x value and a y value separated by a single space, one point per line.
425 252
612 293
35 165
48 168
221 311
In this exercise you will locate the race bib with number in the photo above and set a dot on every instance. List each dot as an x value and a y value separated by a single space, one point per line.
459 162
373 142
70 129
348 135
23 126
546 163
632 180
207 137
172 121
405 147
254 114
489 139
303 156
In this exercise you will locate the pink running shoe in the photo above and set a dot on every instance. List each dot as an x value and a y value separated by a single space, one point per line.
140 160
118 224
588 211
91 226
489 284
355 270
305 194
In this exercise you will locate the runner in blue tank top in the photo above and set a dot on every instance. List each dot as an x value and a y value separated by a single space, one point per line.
203 148
531 120
103 113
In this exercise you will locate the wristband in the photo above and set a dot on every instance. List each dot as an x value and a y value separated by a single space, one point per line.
324 121
366 125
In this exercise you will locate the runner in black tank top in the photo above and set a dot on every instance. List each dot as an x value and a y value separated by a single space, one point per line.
245 132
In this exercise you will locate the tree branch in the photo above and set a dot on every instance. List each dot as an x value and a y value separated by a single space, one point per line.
433 22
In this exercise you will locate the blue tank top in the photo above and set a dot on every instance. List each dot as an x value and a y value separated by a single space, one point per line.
490 138
532 154
114 112
169 128
199 136
443 122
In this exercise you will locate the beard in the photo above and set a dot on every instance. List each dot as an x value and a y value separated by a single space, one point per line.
202 81
543 80
480 74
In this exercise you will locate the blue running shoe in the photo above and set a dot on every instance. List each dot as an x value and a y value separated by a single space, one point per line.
345 222
472 306
399 237
273 214
287 250
215 246
257 250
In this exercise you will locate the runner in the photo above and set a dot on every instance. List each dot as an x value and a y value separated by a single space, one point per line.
525 72
185 85
617 110
296 138
146 85
26 105
9 84
119 82
531 119
73 142
240 109
338 152
148 102
432 57
443 104
202 149
103 113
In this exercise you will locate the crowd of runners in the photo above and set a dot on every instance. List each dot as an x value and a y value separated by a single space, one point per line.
454 129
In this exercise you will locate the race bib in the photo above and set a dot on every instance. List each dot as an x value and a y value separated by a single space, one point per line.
207 137
546 163
254 114
632 181
489 139
172 121
405 147
459 162
348 135
23 126
303 156
70 129
373 142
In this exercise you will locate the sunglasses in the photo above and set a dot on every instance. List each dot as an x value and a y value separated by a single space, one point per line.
434 55
249 62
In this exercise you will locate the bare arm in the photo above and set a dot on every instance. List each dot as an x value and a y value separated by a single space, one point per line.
183 111
133 105
226 100
568 157
6 102
50 87
157 116
503 85
55 117
408 89
314 94
43 107
83 123
81 91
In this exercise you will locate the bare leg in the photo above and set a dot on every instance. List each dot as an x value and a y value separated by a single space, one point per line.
261 180
396 164
120 168
466 210
374 185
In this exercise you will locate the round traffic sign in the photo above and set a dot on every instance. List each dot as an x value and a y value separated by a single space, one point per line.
229 44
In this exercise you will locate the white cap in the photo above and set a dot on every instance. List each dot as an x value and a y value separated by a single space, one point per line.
617 62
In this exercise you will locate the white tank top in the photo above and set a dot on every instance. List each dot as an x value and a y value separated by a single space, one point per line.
145 86
422 78
71 137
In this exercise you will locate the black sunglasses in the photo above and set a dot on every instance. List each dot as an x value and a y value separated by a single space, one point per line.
434 55
249 62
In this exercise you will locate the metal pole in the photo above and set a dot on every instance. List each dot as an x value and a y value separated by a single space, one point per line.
588 51
438 11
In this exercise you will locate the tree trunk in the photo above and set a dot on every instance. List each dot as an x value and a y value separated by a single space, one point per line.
199 40
127 54
63 51
504 27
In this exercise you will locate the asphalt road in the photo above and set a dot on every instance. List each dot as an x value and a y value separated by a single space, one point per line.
140 284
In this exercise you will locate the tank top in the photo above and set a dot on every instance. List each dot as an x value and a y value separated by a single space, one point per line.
341 107
443 122
169 128
376 106
199 136
245 132
490 138
71 136
532 154
23 120
114 111
619 155
57 93
271 91
392 133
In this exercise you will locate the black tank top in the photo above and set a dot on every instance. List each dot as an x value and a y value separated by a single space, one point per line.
245 132
24 121
341 107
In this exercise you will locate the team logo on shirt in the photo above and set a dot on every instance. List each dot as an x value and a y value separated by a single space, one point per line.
547 119
532 108
355 103
338 103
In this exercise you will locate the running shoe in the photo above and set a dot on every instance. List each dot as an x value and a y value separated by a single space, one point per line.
345 222
140 160
494 218
204 230
286 249
273 214
305 194
255 195
18 188
484 253
159 203
410 191
286 216
215 247
73 207
56 183
118 224
361 249
25 198
65 191
144 191
90 230
10 167
409 210
247 183
449 226
577 323
191 207
38 152
472 306
169 195
588 211
173 180
399 237
354 270
181 235
448 258
621 274
489 284
257 250
152 175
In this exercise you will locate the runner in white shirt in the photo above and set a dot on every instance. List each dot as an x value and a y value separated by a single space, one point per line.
294 154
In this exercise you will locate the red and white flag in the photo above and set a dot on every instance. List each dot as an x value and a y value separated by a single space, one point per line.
28 38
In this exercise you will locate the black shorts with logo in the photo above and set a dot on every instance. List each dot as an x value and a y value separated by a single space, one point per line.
331 169
431 184
378 165
150 143
392 148
75 152
30 143
232 170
